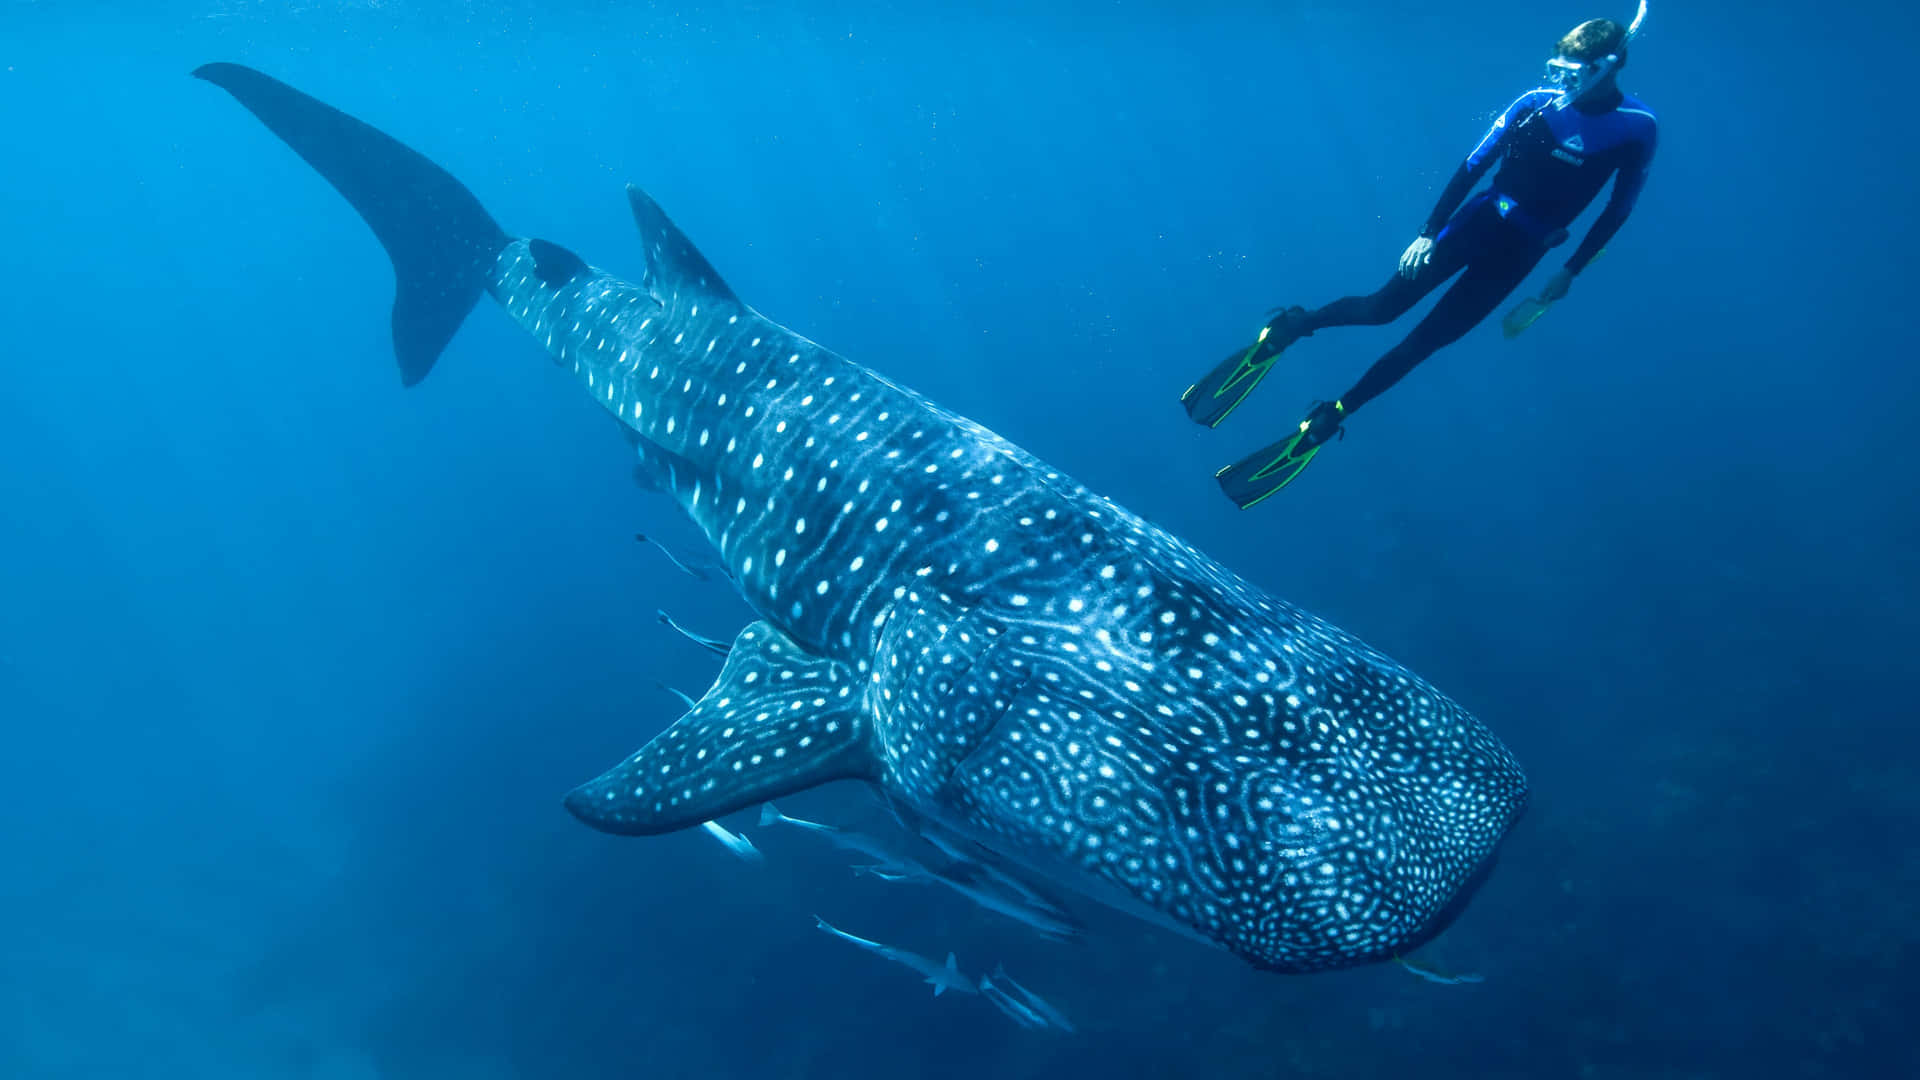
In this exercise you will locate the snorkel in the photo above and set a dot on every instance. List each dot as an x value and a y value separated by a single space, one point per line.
1575 79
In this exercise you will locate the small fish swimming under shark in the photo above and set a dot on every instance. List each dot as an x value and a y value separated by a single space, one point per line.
741 847
687 567
986 888
1006 657
712 645
942 977
1022 1005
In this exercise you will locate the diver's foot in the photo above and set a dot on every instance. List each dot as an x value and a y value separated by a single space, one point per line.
1214 397
1322 423
1287 326
1263 473
1284 327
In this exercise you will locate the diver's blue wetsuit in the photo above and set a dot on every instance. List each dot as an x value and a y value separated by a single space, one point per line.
1552 164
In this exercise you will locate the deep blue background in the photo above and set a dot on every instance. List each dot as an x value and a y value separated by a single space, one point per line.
295 666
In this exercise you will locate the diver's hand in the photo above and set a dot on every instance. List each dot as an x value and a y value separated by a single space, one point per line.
1417 255
1557 286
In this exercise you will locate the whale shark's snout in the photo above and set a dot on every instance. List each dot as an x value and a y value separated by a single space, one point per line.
1314 819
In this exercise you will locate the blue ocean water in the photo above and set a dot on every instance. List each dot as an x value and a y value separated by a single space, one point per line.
296 665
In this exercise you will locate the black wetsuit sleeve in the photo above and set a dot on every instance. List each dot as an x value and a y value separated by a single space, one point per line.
1450 199
1627 185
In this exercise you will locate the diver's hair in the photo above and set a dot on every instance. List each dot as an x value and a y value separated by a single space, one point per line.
1594 39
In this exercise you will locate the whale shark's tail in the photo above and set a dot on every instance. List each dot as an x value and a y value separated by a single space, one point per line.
443 243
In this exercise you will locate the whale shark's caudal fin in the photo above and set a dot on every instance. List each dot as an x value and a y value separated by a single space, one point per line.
674 265
443 243
778 720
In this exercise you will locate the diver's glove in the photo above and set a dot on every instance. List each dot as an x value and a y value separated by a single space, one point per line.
1557 286
1417 255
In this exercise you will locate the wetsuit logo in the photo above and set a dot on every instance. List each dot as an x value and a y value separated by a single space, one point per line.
1570 150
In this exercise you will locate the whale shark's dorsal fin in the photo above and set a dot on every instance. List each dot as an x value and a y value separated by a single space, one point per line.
674 265
778 720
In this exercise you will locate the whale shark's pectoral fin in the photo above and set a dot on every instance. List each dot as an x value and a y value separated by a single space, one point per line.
778 720
674 265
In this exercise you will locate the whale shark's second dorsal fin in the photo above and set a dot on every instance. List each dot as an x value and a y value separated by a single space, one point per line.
674 266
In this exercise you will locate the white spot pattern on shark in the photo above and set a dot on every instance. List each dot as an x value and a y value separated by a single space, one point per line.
1004 653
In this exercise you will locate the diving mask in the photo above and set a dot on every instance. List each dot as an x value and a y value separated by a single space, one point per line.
1575 79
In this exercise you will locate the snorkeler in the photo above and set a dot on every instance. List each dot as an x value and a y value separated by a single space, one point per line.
1556 148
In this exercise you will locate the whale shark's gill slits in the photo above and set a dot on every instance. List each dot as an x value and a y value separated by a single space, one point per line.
778 719
945 676
441 240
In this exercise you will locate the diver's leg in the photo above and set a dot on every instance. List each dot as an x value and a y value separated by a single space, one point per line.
1379 307
1214 397
1493 271
1488 280
1219 392
1486 283
1394 299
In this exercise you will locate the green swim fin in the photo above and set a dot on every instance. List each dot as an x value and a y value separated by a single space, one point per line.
1528 311
1524 314
1262 474
1211 400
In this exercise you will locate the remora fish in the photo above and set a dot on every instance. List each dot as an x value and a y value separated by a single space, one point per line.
697 573
851 840
1027 1008
942 977
734 842
967 878
712 645
945 617
1028 909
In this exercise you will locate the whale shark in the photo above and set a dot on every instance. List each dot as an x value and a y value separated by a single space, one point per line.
1007 658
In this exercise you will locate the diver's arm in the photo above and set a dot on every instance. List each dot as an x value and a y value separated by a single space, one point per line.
1627 185
1481 159
1450 199
1625 190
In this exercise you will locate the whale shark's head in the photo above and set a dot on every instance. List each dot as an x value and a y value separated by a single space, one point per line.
1265 783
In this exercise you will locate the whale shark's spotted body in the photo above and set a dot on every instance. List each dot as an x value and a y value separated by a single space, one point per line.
1005 655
